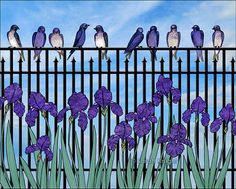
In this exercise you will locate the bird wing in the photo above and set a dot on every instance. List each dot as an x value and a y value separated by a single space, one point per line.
8 35
44 40
50 38
157 38
77 38
105 38
167 36
213 38
147 36
132 39
202 37
179 35
222 36
33 38
192 36
136 41
17 39
95 38
62 39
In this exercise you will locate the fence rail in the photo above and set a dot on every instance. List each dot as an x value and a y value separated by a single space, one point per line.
132 80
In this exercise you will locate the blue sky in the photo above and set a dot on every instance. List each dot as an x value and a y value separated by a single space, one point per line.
120 20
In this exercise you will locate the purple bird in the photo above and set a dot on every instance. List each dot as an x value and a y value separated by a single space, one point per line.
79 38
101 40
152 39
217 39
173 39
197 36
135 40
38 41
56 40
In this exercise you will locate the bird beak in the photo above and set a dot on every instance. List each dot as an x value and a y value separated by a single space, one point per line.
95 28
88 25
213 28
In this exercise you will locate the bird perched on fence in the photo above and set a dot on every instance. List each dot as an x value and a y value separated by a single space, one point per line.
38 41
135 40
79 38
152 39
197 36
101 40
14 39
56 40
217 39
173 39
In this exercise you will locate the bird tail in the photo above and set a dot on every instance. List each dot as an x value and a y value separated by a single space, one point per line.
199 55
128 55
175 54
154 55
104 55
216 55
61 53
71 52
22 55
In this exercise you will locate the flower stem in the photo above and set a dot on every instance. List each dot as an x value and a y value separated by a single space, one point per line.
103 140
171 173
123 159
195 143
169 115
48 128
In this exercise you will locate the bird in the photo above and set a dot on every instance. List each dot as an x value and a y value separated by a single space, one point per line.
101 40
152 39
135 40
38 41
173 39
217 39
79 38
14 40
56 40
197 36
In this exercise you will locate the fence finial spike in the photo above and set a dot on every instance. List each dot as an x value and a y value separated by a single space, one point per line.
109 60
162 60
179 60
144 60
91 60
126 60
215 60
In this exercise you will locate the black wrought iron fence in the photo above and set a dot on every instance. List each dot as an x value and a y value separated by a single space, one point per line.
132 80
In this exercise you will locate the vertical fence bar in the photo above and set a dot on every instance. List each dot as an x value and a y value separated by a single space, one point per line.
126 104
179 103
64 105
73 124
46 85
118 102
82 90
38 90
109 112
188 97
55 92
11 81
206 90
91 103
215 94
153 91
144 100
20 119
99 86
197 94
162 115
232 137
223 104
135 106
29 89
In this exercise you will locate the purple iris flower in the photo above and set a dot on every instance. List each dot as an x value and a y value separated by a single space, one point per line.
165 88
43 144
227 115
13 94
103 99
175 140
78 103
123 131
38 104
198 106
142 119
